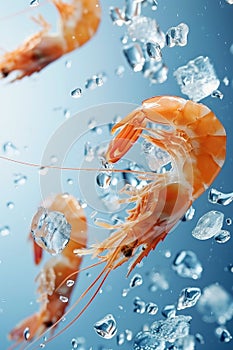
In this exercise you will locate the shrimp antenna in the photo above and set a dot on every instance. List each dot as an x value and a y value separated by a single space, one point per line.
73 306
25 10
76 272
35 165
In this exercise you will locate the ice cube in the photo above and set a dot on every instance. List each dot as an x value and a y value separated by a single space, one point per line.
177 36
186 264
208 225
134 56
197 79
106 327
216 304
171 328
147 341
145 29
188 297
50 230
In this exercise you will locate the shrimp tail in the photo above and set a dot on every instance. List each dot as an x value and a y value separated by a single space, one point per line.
33 323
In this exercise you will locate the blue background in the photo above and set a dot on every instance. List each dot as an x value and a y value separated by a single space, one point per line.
32 109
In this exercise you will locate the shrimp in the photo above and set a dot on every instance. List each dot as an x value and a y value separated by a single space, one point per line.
55 270
196 142
79 20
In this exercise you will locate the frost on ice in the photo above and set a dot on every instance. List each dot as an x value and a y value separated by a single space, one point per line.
216 304
197 79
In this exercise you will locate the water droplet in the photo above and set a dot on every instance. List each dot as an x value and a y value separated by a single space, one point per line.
64 299
19 179
222 236
217 94
230 2
199 337
68 64
69 283
89 153
140 306
76 93
167 254
70 181
66 113
74 343
169 311
4 231
186 264
223 334
154 51
136 281
188 297
189 214
128 334
197 79
26 333
134 56
152 308
208 225
106 327
43 171
177 36
50 230
217 197
120 339
53 159
34 3
103 180
228 221
10 205
9 148
125 292
119 71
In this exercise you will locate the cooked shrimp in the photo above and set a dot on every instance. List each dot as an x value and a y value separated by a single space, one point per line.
196 142
56 270
79 20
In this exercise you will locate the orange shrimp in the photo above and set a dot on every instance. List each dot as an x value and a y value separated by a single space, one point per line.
55 271
79 20
196 142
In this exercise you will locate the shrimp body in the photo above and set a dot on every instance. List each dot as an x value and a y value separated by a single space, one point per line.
79 20
196 142
54 272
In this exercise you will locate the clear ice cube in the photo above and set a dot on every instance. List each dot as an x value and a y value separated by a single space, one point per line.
223 334
188 297
197 79
171 328
106 327
208 225
222 236
145 29
132 9
134 56
186 264
215 304
154 51
50 230
217 197
156 72
177 36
